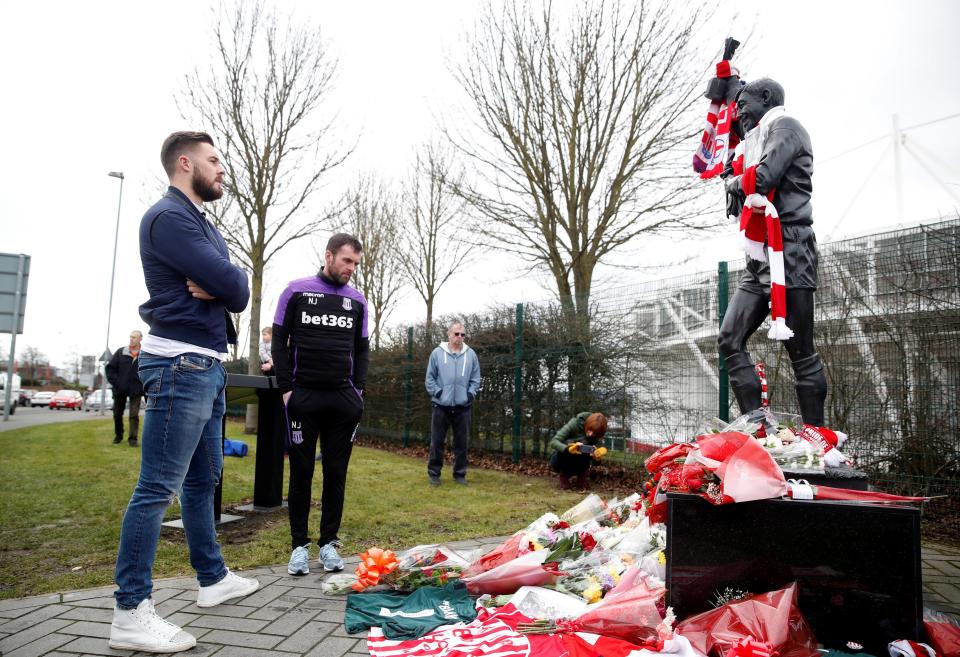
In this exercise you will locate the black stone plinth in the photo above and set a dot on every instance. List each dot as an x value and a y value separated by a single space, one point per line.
271 437
271 440
857 564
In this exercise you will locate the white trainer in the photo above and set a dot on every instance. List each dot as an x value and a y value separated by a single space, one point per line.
230 587
142 629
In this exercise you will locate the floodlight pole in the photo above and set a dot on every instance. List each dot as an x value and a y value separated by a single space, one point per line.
113 271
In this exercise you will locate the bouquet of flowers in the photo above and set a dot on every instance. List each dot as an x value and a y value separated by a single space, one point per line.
621 512
630 611
570 547
423 565
638 541
770 622
796 455
504 553
542 532
526 570
591 577
746 471
589 508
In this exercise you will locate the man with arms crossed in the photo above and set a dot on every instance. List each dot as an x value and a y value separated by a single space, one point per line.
192 287
320 356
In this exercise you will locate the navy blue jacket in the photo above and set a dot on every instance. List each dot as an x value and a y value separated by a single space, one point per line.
176 243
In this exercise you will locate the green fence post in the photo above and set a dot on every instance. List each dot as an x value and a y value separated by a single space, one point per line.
723 380
408 389
517 384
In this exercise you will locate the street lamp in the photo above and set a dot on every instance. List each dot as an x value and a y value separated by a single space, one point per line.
113 271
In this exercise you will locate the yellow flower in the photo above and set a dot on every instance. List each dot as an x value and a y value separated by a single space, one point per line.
662 558
592 593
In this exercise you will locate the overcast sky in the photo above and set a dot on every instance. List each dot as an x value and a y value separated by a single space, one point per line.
89 88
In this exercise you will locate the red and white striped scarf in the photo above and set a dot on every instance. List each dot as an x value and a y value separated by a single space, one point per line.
760 222
907 648
711 156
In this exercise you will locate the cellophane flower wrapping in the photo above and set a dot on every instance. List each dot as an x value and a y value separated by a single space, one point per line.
536 536
508 577
943 631
639 541
429 565
540 602
629 611
341 584
781 434
772 618
423 565
591 576
496 557
745 468
424 556
591 507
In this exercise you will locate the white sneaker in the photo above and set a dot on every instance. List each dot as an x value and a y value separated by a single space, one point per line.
230 587
142 629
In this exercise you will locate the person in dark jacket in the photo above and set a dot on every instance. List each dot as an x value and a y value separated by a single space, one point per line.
193 287
783 158
575 448
122 375
320 350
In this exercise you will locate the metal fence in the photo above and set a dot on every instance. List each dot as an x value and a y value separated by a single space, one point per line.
887 327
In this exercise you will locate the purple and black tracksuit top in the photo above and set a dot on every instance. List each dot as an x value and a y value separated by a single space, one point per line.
320 336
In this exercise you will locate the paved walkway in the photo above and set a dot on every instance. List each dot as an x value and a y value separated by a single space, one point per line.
26 416
288 616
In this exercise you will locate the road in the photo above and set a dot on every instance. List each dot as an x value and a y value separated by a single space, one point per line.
29 417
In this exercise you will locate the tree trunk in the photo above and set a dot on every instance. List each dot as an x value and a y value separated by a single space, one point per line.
428 337
575 306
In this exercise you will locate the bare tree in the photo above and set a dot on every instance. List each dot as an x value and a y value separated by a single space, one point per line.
586 126
261 97
433 250
373 218
32 364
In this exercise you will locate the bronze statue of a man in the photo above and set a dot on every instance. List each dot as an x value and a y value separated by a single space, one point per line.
778 148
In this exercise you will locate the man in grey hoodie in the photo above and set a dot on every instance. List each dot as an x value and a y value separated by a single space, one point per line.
453 380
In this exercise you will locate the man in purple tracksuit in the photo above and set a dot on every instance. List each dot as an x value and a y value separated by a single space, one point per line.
320 354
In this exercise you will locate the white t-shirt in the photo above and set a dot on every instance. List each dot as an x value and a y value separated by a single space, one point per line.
167 348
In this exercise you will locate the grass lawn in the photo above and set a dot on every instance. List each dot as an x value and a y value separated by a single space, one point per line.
64 488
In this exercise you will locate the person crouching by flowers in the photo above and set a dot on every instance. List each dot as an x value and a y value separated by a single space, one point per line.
575 448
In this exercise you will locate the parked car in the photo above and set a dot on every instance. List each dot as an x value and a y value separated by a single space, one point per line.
3 404
26 396
67 399
41 398
93 400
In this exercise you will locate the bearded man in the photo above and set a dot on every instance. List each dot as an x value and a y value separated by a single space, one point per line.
193 286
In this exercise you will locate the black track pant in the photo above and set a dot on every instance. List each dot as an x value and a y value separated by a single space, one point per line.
331 415
119 403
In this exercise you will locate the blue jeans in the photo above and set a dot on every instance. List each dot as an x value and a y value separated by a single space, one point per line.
181 454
